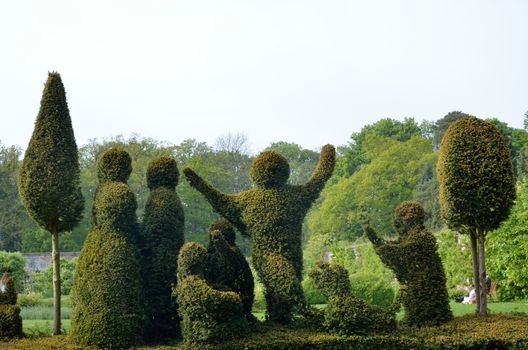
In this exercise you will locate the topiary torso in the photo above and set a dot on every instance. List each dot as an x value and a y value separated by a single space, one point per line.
162 237
272 214
106 294
415 261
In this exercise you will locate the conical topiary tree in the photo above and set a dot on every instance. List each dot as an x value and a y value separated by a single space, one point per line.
162 237
48 180
107 287
476 187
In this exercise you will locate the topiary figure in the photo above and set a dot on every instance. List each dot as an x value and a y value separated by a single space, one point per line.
415 261
226 265
162 237
208 315
107 288
272 214
10 320
345 314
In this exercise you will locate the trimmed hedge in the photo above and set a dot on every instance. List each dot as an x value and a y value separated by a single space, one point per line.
415 261
162 237
227 267
10 320
208 315
272 214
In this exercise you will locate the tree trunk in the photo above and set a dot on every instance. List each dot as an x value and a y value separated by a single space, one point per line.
483 302
55 257
474 254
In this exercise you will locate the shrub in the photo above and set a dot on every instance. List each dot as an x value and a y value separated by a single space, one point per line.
30 299
43 280
162 238
106 294
10 321
311 293
372 288
346 314
208 315
271 214
14 264
226 266
415 261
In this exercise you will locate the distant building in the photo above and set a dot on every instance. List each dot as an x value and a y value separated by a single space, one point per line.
41 261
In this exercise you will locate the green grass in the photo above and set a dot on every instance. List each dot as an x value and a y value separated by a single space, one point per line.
35 328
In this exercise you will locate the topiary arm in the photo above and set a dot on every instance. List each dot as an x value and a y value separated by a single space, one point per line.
222 203
373 236
322 172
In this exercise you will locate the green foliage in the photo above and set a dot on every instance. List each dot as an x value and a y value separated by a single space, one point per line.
10 322
9 295
345 314
415 261
208 315
162 237
14 264
114 164
390 177
107 286
508 251
302 161
455 252
226 266
272 214
42 280
475 174
441 125
372 288
311 293
49 175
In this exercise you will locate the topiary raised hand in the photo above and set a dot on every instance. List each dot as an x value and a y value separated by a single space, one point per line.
271 214
208 315
345 314
415 261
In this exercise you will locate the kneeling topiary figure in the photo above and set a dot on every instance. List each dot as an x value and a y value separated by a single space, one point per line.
345 314
208 315
106 293
272 214
226 265
415 261
10 320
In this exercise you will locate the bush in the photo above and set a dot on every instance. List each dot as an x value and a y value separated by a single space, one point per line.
30 299
311 293
372 288
14 264
43 280
10 322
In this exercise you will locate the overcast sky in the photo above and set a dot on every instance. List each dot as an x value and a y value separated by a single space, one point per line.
310 72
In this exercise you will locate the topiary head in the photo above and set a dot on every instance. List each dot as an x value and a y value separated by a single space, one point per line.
269 169
226 230
115 206
162 172
408 215
191 260
114 164
330 279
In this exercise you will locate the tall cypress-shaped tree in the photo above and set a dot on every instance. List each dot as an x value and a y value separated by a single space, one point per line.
49 176
476 187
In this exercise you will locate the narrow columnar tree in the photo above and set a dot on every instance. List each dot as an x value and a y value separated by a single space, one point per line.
49 176
477 187
272 214
106 294
162 237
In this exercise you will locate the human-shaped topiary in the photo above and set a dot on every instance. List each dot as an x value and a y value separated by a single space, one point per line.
415 261
226 265
10 320
107 288
346 314
208 315
272 214
162 238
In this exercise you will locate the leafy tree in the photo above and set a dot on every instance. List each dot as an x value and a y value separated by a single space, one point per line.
508 251
13 263
442 124
477 187
455 251
302 161
49 175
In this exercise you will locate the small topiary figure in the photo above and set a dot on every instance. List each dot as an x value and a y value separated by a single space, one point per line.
271 214
415 261
208 315
162 237
106 293
346 314
226 265
10 320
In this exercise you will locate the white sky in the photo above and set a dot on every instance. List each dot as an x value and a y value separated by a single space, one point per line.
310 72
